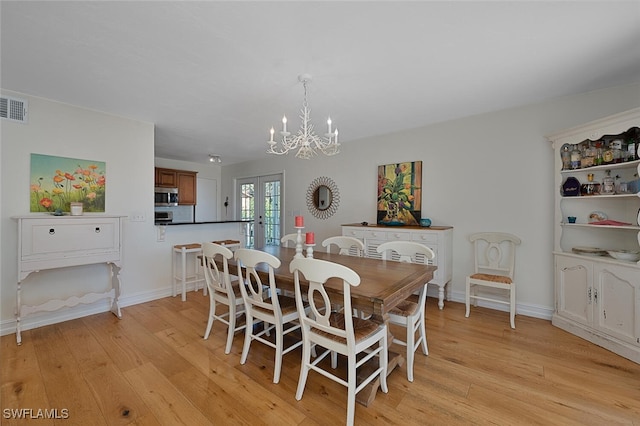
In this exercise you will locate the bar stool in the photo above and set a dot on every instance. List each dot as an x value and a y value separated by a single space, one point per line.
230 244
180 252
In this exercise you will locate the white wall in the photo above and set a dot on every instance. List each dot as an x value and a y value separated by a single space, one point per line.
127 147
487 172
492 171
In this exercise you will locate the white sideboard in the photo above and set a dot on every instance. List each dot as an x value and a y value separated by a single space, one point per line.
437 238
48 242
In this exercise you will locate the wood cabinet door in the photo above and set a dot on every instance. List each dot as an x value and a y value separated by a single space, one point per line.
166 178
618 301
574 295
186 188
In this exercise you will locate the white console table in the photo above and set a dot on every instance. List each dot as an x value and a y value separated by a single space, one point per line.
49 242
437 238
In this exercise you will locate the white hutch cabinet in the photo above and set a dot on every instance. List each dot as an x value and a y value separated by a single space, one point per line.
437 238
597 297
48 242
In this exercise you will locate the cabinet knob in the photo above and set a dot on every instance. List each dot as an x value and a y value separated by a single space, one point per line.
97 229
52 231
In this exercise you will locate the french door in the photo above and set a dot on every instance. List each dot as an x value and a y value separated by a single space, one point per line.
259 201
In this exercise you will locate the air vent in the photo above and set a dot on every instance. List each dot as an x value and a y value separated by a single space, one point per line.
13 109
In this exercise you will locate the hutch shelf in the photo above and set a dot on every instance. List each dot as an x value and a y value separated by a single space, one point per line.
597 296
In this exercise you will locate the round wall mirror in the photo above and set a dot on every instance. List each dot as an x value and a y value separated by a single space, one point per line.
322 197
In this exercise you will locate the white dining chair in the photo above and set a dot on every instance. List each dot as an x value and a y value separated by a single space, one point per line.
262 302
336 332
222 291
494 267
289 240
408 313
346 245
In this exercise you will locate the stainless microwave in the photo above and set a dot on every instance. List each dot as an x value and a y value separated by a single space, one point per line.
166 197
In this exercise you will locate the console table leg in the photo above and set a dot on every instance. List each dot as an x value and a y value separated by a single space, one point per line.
440 296
115 285
18 325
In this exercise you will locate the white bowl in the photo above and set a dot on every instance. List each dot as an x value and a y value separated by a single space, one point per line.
629 255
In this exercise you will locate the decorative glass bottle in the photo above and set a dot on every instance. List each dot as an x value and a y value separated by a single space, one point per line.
566 158
576 157
598 158
608 185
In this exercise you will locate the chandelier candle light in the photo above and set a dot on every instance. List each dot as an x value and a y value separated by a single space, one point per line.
306 142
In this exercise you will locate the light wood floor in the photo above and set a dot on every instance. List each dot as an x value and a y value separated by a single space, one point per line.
153 367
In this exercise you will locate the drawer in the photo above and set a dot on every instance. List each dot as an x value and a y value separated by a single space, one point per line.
45 238
375 234
398 236
424 238
353 232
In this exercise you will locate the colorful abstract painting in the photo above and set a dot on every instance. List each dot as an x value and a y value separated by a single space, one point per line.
400 193
58 181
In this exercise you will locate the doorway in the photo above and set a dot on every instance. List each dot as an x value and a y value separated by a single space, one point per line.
260 202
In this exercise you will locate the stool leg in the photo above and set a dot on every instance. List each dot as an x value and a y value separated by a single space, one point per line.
174 282
204 282
184 274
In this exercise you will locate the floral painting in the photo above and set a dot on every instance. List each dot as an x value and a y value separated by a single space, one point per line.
400 193
58 181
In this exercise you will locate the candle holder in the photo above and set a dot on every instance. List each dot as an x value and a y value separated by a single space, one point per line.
310 250
299 254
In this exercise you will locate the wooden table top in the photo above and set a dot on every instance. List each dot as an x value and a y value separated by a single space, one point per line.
383 284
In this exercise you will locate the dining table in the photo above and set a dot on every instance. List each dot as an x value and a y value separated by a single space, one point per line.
383 284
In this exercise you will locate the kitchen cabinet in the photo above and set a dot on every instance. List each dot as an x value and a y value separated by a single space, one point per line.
187 194
49 242
437 238
184 180
597 297
166 178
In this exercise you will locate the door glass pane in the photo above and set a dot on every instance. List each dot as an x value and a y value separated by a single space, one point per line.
272 213
247 211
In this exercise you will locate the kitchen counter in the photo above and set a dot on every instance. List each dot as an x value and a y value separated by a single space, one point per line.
201 223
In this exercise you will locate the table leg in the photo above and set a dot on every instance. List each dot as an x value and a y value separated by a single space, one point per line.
368 393
441 296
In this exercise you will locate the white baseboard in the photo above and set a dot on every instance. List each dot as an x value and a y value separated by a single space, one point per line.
47 318
535 311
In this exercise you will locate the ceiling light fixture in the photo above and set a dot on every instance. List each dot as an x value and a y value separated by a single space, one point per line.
305 141
215 158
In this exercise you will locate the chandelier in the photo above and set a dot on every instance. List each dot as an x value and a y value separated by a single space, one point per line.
306 142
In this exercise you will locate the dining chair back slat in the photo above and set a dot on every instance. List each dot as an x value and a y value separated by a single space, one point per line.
346 245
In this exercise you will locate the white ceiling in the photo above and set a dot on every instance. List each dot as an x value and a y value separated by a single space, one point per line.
215 76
